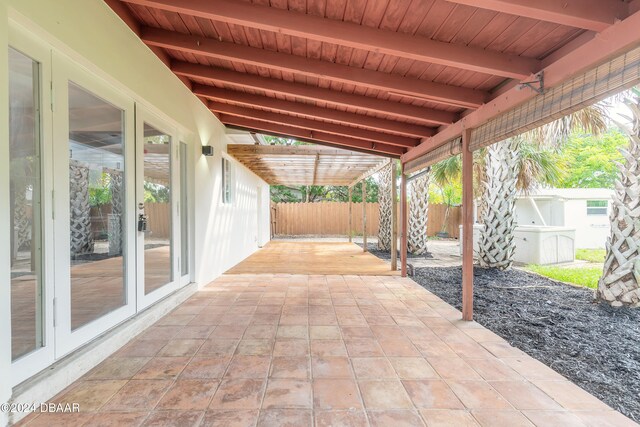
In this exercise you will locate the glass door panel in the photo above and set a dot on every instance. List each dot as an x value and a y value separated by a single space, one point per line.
184 211
97 198
25 205
158 239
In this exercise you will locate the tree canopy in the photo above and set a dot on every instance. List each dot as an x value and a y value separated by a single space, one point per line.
590 161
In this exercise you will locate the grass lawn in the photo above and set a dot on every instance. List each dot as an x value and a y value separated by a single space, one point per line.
591 255
583 276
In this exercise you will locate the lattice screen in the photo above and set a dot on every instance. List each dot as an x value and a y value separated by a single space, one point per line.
438 154
585 89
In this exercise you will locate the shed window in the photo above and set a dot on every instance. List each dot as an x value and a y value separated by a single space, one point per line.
597 207
226 181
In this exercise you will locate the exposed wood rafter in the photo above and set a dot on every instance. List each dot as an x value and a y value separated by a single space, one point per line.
313 93
312 136
311 111
314 125
391 83
595 15
370 172
351 35
621 36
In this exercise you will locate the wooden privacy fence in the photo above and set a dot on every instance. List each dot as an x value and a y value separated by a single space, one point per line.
159 217
332 219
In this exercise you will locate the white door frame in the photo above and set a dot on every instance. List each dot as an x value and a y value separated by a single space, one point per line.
143 115
65 70
31 363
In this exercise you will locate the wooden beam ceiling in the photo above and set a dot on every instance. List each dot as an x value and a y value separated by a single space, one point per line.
616 39
312 111
390 83
313 125
352 35
595 15
304 164
311 136
313 93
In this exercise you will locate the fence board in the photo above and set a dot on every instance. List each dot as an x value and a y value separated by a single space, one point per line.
332 219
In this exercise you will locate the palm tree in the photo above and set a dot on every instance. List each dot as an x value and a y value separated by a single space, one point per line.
522 163
418 212
621 274
385 206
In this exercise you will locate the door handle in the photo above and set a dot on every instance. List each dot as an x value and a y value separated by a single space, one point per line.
142 222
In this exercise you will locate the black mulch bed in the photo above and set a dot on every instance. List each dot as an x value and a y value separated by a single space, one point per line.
594 345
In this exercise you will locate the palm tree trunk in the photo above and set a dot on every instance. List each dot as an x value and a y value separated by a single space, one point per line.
418 211
621 274
384 203
496 245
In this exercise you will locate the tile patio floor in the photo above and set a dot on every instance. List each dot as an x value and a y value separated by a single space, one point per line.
307 350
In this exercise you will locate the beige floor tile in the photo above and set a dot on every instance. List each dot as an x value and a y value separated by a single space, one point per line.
91 395
432 394
553 419
232 418
396 418
331 367
189 395
248 367
287 393
363 347
373 368
238 394
285 418
162 368
327 348
478 395
524 395
448 418
290 367
205 368
570 396
384 394
501 418
138 395
341 419
173 418
336 394
413 368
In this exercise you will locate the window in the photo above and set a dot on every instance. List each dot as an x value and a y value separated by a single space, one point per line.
226 181
597 207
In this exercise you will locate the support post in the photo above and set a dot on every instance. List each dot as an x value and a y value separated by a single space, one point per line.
394 217
467 227
364 215
350 221
403 219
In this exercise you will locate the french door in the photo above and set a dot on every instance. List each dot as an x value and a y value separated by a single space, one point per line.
98 206
157 216
94 167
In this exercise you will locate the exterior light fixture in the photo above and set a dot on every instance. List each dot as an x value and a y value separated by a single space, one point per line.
207 150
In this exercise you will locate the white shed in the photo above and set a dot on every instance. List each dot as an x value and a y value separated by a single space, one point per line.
584 209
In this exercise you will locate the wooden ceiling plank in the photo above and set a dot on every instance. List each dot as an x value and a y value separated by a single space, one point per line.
594 15
352 35
285 119
392 83
313 93
312 111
